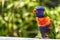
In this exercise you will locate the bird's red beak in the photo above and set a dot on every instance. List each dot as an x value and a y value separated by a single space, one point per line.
34 10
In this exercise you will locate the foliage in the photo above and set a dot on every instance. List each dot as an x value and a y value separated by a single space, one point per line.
18 19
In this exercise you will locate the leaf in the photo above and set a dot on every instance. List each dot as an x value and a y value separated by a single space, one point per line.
9 6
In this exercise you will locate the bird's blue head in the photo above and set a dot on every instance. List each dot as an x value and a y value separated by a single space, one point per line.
39 11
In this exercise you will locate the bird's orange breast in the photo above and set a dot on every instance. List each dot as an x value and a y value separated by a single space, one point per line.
43 21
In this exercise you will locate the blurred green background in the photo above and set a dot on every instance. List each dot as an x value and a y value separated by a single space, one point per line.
18 20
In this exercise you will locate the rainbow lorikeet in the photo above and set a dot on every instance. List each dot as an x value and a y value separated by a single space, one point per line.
42 21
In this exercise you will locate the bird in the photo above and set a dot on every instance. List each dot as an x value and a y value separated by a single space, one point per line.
43 22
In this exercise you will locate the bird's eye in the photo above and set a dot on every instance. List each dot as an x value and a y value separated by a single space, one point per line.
39 10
